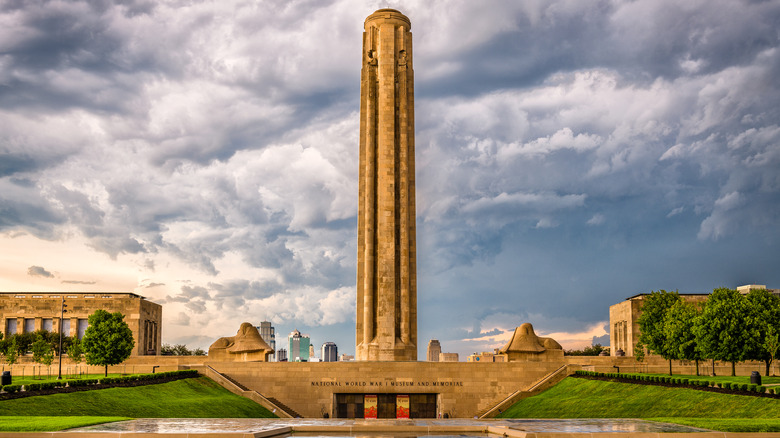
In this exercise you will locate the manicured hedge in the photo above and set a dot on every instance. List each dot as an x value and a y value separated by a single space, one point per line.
183 374
12 388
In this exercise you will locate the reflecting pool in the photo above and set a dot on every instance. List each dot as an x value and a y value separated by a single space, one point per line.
302 427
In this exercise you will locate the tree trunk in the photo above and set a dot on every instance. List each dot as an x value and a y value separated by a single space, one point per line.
768 364
670 367
713 367
733 369
697 366
106 373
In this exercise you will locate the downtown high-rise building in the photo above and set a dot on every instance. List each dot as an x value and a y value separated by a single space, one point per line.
268 333
434 350
330 352
298 347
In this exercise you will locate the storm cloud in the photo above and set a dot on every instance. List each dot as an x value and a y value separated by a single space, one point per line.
569 155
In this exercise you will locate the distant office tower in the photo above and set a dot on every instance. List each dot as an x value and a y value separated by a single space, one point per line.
281 355
298 347
311 351
434 350
449 357
346 358
268 333
330 352
486 356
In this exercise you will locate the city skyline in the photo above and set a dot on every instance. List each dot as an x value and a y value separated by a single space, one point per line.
569 155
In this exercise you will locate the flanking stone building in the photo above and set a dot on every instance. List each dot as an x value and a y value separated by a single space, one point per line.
624 318
23 312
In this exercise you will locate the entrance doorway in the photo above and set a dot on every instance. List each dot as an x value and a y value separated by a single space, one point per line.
385 405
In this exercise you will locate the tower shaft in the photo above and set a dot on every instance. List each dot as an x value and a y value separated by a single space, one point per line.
387 267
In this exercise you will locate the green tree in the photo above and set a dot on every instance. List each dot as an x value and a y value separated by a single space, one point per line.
167 350
772 344
12 351
764 314
181 350
24 341
651 323
42 351
5 341
592 350
678 326
74 350
721 329
107 340
639 351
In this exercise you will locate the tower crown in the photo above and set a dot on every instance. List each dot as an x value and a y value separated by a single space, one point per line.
390 16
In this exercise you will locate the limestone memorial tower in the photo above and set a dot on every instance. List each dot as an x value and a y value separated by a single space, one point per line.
387 266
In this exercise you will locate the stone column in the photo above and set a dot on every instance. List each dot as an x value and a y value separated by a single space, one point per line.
387 268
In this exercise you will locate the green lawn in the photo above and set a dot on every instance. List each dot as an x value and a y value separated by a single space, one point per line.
584 398
46 424
186 398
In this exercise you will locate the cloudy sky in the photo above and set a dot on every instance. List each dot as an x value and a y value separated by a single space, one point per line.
570 154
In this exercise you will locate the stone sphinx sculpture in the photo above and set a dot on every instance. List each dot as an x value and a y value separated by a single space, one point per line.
246 346
526 346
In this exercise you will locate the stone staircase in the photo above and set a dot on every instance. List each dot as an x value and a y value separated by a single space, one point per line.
234 386
285 408
235 382
539 386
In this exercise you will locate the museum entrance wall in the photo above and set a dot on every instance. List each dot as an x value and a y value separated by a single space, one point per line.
385 406
456 389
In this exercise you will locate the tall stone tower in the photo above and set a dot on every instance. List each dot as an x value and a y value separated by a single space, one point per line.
387 266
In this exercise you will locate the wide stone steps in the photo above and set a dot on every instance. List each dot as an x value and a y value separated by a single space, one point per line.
238 388
284 407
235 382
544 383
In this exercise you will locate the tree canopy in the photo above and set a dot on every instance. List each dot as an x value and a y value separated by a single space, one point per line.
108 339
652 333
43 351
722 331
763 320
729 326
180 350
678 327
75 352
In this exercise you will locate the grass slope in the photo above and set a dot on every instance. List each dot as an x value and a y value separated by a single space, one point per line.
583 398
45 424
187 398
